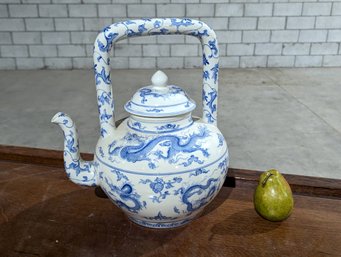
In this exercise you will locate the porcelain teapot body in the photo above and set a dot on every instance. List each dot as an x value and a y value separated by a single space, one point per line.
159 165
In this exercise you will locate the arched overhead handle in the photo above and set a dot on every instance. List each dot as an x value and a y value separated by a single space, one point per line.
150 27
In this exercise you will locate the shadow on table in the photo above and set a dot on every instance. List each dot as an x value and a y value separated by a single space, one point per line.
244 222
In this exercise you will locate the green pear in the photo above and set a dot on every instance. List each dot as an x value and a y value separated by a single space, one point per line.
273 197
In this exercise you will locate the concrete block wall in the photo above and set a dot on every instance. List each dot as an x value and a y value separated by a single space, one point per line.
59 34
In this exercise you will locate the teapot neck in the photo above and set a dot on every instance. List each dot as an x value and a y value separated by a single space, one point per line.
159 125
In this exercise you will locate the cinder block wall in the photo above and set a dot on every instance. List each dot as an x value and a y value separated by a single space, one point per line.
58 34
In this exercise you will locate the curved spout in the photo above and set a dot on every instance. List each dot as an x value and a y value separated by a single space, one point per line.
79 171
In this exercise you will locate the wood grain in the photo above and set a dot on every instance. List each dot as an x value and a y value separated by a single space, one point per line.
42 213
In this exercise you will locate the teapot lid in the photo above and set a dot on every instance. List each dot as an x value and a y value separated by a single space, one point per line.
159 99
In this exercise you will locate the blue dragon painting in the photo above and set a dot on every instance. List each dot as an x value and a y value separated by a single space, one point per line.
172 145
205 191
130 199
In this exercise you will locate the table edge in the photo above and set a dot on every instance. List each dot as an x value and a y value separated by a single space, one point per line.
305 185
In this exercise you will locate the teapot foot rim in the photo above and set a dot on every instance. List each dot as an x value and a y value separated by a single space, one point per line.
164 225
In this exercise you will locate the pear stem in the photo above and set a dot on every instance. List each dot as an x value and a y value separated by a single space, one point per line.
266 179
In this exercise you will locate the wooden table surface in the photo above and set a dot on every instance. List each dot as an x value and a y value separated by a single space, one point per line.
44 214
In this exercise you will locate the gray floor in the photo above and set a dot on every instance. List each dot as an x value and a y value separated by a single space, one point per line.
288 119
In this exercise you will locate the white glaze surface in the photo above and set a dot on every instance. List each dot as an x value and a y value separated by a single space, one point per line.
158 166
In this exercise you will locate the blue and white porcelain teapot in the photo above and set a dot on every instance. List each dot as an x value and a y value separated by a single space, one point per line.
159 166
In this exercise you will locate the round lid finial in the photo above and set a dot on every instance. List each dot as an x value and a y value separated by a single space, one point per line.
159 79
160 99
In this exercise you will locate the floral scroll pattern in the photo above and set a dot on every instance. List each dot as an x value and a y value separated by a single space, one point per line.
145 27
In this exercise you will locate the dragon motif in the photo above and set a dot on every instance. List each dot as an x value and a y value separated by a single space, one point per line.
207 191
173 144
125 193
